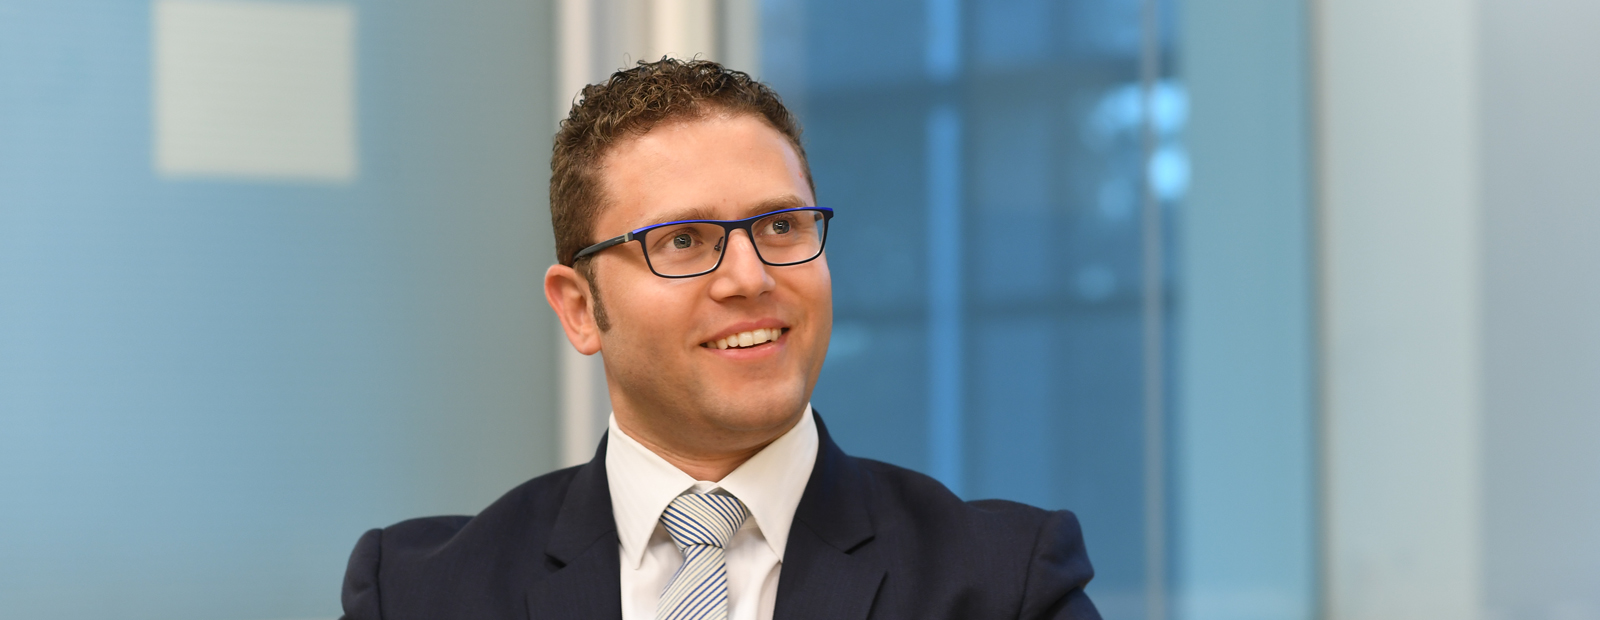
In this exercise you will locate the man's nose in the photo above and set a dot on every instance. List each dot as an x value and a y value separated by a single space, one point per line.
742 274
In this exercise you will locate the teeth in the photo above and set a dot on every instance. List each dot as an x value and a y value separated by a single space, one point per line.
746 339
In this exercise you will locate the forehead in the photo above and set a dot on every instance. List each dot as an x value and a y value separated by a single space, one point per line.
719 166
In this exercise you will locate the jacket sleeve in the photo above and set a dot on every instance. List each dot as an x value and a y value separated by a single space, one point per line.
1058 572
360 594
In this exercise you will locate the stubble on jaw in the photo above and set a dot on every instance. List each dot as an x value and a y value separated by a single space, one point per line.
587 270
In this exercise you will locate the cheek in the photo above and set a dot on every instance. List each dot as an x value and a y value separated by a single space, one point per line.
816 289
822 288
656 313
646 312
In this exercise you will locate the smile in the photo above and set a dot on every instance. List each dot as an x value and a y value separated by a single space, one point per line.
743 340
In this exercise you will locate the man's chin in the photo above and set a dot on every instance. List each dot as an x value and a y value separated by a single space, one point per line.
755 416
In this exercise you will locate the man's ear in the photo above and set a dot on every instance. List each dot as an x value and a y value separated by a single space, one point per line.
569 295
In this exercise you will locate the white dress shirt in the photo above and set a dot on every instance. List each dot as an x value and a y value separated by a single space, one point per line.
770 485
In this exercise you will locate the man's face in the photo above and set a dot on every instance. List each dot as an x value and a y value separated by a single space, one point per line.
662 364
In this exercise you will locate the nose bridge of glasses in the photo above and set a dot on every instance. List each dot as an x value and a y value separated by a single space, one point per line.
749 241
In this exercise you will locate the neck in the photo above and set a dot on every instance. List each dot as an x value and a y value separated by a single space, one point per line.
713 457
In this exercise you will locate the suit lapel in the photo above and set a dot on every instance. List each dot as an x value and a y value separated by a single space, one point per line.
583 551
828 570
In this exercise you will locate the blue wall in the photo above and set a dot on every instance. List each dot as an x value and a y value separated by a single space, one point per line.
208 389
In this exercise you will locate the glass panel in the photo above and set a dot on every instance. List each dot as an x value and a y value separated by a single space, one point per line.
986 164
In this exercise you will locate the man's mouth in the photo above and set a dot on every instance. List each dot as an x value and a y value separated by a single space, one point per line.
745 340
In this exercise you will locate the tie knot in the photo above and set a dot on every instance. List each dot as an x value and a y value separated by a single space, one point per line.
703 519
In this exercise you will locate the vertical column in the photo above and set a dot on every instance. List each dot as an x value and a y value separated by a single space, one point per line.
594 38
583 403
944 247
1153 296
1398 139
738 42
683 29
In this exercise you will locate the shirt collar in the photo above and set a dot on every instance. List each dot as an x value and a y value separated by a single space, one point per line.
769 484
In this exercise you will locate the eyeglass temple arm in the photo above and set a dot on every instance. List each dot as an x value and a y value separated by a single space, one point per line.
614 241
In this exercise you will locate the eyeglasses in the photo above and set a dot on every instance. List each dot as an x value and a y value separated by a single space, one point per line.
695 247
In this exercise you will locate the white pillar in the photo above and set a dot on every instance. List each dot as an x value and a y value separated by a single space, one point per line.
1398 142
595 38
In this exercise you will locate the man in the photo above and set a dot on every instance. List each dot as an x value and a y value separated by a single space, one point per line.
690 250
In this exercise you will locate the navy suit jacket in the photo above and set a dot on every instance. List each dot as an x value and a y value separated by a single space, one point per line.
869 540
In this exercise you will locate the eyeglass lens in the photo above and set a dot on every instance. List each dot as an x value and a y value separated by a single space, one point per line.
695 247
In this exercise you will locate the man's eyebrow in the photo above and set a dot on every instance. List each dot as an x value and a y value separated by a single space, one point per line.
704 213
692 213
775 204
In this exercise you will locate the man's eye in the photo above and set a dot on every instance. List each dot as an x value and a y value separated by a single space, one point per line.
781 226
682 241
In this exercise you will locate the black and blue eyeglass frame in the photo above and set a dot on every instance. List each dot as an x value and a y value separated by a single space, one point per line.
689 248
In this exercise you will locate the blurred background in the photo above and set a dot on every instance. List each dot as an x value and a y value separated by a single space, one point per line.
1293 301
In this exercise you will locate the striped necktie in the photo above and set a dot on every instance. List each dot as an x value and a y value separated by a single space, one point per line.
701 525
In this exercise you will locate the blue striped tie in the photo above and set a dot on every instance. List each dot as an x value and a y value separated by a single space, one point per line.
701 525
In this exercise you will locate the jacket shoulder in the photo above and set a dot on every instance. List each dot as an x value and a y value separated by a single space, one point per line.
391 567
983 556
923 495
534 501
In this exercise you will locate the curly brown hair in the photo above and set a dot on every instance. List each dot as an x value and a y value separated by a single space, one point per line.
629 104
